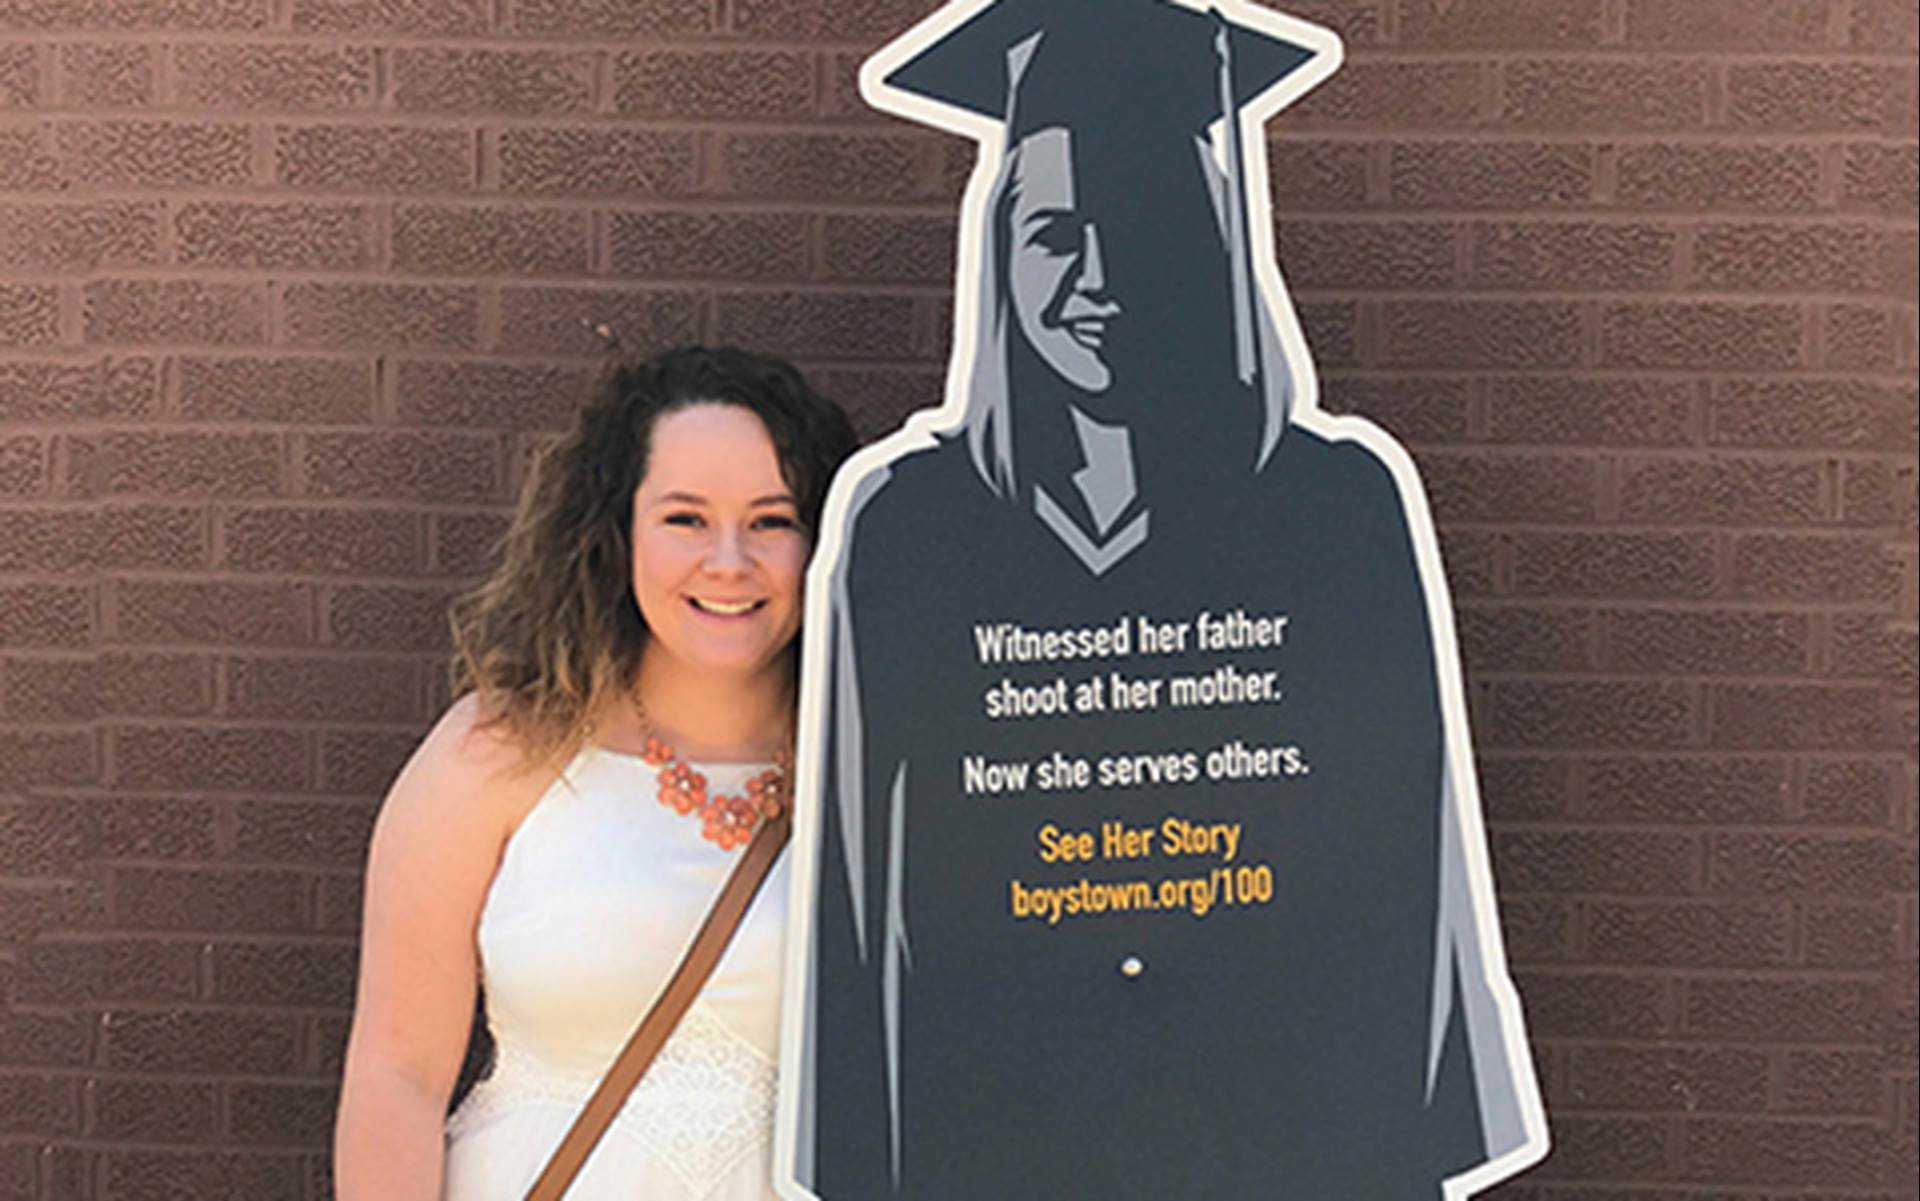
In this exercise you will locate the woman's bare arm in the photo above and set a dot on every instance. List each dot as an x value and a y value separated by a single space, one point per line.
435 848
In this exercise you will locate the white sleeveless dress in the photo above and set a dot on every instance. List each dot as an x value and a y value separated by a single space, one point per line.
598 895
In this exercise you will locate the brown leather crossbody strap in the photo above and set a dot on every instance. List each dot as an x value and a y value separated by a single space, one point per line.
668 1008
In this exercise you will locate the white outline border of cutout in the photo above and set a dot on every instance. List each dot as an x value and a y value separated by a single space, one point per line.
919 433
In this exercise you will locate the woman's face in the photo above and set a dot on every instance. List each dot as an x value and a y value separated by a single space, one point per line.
1056 272
718 549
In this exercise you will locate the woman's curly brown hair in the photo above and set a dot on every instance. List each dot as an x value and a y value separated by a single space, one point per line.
555 630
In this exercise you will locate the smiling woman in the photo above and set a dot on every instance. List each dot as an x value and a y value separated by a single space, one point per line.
635 645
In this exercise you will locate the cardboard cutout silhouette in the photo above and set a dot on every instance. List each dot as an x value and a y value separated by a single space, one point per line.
1139 851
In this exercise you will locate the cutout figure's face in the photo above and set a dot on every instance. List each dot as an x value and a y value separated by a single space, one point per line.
1057 276
718 549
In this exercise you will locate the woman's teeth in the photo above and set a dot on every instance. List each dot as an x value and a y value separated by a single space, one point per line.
725 608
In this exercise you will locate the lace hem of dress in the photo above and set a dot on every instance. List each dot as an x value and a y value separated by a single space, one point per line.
704 1105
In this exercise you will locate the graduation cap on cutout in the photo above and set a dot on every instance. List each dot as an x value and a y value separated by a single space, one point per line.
1136 82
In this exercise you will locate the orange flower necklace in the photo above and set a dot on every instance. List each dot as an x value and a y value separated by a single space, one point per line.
726 821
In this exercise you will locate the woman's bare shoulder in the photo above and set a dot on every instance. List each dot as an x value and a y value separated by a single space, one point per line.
471 771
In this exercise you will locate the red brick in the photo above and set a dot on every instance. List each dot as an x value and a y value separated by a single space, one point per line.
827 325
1592 1005
71 972
556 320
231 234
1517 789
1316 176
79 237
1688 935
1883 24
483 395
39 1104
303 834
1332 329
150 536
1847 936
361 762
306 974
586 160
274 78
284 1114
1508 487
1723 491
441 239
145 827
1365 255
1862 337
1617 1148
23 465
1501 23
298 391
152 1111
1778 1152
509 82
1491 175
878 398
1834 1082
836 167
1656 1079
1876 492
59 540
829 20
1801 716
49 691
45 837
740 245
1609 95
409 316
1560 862
328 688
1701 334
467 544
1808 413
140 14
1838 1011
1416 411
1719 179
1516 638
1794 25
46 615
1881 177
1824 865
380 618
1394 94
175 311
1847 792
420 466
34 757
1812 567
1482 333
183 464
199 900
376 158
1564 256
1536 929
1842 97
157 685
199 1041
340 903
415 17
1644 565
1686 642
599 19
29 314
1527 713
62 1040
714 84
20 75
888 248
209 759
841 99
63 390
29 160
1869 644
149 1175
1589 411
211 612
1788 258
153 154
324 541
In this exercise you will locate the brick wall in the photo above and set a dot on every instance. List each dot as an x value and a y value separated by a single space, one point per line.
289 289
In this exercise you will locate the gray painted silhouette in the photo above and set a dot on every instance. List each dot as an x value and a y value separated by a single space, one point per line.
1139 851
